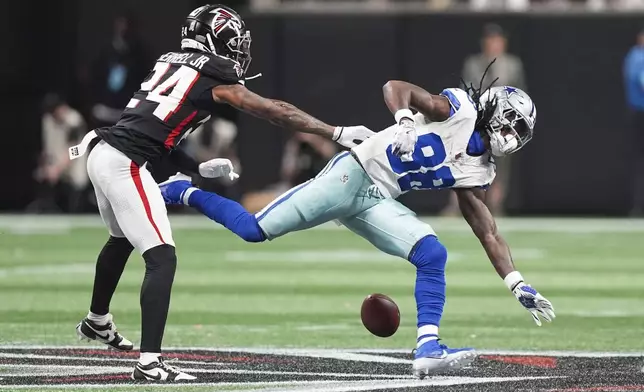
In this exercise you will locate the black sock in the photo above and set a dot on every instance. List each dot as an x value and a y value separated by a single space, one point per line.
160 265
109 267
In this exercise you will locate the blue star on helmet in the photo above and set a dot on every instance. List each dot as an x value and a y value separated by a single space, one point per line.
511 90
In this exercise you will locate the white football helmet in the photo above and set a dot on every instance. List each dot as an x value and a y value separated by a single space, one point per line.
512 118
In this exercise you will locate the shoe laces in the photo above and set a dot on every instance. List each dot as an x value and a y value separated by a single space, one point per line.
169 368
442 347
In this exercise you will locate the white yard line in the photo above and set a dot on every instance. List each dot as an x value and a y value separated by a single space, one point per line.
336 256
40 369
59 370
316 352
350 255
48 269
93 359
34 224
308 386
350 386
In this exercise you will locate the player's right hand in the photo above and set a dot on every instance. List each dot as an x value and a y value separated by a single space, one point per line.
350 137
534 302
405 138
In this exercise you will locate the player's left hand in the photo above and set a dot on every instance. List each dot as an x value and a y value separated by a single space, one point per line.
218 167
534 302
350 137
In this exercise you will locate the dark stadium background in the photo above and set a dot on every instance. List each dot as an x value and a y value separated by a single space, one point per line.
334 67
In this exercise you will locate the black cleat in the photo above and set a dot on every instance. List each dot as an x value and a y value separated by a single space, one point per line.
107 334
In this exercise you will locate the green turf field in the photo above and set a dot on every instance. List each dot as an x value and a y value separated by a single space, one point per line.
305 290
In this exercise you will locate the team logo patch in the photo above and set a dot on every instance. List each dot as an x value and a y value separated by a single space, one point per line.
322 370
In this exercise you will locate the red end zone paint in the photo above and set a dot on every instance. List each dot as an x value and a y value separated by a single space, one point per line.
541 362
607 388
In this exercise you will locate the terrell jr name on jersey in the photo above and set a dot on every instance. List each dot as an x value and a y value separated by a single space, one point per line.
174 99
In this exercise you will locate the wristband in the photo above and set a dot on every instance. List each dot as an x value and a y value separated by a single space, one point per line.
403 113
512 279
337 132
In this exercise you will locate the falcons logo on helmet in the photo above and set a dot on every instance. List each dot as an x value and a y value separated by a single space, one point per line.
223 19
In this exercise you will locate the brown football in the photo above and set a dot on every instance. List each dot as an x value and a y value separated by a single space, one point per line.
380 315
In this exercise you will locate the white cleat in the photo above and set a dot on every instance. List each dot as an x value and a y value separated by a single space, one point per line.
432 357
177 189
159 371
177 177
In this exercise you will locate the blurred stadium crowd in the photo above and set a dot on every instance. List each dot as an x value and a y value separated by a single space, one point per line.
475 5
108 82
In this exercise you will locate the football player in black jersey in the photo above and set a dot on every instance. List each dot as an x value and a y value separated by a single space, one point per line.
176 97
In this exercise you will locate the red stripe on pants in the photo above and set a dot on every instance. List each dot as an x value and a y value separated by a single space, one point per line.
136 176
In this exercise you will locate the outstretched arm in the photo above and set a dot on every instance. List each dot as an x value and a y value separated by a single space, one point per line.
285 115
476 213
480 219
401 95
276 112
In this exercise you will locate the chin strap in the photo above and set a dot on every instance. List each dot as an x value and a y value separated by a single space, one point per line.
256 76
259 75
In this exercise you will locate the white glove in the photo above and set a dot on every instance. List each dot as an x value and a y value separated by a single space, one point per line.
405 138
534 302
350 137
218 167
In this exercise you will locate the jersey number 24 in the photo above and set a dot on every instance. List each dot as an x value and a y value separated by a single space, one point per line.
181 81
421 172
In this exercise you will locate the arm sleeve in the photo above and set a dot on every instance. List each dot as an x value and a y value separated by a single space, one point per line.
186 163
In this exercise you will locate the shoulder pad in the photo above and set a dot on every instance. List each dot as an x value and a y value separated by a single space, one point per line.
222 68
458 99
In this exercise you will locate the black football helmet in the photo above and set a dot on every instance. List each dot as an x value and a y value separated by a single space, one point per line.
220 30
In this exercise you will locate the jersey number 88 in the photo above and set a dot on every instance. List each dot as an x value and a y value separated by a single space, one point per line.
420 172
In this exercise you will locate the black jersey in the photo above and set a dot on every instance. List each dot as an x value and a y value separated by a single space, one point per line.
173 100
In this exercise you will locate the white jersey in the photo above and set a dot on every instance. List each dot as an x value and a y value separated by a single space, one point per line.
448 154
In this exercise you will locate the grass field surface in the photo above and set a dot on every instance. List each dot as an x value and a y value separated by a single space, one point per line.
305 290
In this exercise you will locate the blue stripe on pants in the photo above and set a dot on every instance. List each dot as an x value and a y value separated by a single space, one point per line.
332 163
280 200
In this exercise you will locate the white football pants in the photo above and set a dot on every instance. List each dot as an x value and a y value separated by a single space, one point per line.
129 199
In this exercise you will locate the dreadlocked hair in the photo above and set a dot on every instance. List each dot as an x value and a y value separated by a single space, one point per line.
484 114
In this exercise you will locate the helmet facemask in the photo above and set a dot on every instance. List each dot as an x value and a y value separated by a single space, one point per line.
239 50
508 128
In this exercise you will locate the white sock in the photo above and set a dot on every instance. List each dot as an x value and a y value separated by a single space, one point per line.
148 358
186 195
98 319
427 333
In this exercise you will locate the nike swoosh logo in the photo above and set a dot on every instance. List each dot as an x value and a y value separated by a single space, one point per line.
105 336
156 376
443 355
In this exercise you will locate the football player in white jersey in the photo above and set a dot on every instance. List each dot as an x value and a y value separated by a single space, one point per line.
448 143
